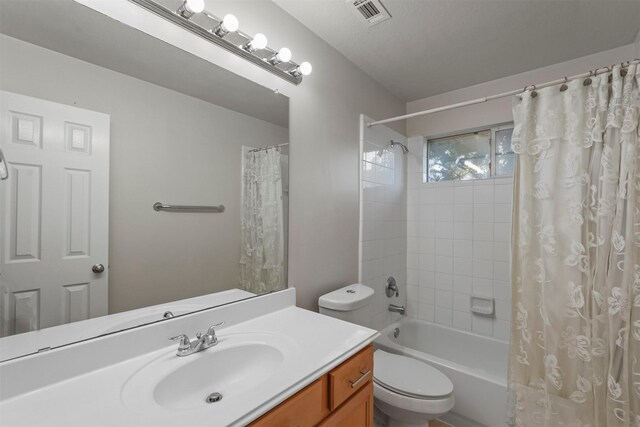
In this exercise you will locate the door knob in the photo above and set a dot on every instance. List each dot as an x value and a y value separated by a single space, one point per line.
98 268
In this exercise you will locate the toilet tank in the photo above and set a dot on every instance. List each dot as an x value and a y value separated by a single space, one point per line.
351 303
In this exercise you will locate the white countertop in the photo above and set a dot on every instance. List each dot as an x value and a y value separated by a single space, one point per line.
95 398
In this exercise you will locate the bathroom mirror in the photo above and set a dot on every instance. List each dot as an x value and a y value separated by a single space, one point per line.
143 182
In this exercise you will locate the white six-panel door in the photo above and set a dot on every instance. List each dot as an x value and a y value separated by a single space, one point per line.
54 213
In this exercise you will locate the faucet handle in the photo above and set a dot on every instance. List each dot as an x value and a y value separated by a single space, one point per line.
185 342
211 334
212 328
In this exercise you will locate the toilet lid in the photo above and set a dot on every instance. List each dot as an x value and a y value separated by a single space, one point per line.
410 376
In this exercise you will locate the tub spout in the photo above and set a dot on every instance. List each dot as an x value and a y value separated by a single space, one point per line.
397 308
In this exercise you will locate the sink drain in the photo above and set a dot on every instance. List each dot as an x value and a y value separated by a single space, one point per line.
214 397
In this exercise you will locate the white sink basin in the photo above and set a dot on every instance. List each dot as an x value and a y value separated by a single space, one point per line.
240 362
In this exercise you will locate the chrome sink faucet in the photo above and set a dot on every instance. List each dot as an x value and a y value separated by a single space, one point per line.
202 342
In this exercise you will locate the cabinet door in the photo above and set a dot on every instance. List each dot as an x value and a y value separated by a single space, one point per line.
357 411
304 409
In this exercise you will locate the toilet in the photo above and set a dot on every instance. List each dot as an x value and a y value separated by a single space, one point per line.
408 391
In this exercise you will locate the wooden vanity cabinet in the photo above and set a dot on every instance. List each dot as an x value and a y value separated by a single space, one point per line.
340 398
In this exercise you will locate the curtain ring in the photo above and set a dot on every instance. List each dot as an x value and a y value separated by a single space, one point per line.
588 80
564 86
623 71
533 90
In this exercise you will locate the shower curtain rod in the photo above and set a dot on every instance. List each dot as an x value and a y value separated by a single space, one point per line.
266 148
503 94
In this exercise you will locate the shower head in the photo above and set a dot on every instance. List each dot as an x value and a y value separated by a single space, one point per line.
392 144
405 150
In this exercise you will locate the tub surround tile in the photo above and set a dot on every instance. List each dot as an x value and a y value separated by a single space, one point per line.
459 233
482 325
426 312
444 316
444 298
462 320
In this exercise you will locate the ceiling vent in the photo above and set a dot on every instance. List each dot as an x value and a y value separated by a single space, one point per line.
372 11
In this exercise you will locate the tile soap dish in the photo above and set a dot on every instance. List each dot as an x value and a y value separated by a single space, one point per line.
482 306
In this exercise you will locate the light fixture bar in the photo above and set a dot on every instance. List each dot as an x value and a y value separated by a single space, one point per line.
208 35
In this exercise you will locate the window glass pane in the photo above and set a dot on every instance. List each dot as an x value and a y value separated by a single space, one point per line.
505 159
460 157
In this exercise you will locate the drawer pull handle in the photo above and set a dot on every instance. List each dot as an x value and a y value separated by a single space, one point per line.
359 380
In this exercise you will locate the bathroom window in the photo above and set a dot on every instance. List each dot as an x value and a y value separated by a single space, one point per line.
479 154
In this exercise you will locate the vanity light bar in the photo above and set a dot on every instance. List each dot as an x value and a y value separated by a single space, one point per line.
225 34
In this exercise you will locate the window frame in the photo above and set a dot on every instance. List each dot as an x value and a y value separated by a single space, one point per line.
492 150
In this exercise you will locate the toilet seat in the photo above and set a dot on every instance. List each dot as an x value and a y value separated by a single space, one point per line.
410 377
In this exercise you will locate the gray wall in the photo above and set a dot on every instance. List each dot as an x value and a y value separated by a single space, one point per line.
165 146
324 130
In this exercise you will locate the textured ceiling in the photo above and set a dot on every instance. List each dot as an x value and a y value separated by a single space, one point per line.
434 46
75 30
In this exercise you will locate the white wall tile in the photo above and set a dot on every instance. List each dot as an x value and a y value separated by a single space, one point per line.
426 312
483 268
501 330
482 325
483 212
482 287
502 212
427 196
483 250
463 230
502 232
444 195
463 248
463 213
461 302
463 266
463 194
483 231
501 271
444 213
503 309
483 193
427 279
501 251
444 247
444 298
412 292
444 230
426 295
502 289
463 284
444 264
461 320
444 281
503 193
444 316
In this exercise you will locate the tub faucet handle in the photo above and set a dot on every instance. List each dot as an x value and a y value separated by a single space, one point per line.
392 288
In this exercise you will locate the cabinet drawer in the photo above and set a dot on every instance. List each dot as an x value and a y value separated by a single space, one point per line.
350 377
306 408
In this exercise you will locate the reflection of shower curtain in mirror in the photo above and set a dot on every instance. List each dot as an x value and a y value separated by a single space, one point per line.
262 238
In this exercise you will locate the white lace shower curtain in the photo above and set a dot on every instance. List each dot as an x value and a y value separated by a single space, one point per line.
262 238
575 341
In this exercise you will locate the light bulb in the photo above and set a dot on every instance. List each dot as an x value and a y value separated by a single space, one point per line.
305 68
259 41
283 55
230 23
190 8
195 6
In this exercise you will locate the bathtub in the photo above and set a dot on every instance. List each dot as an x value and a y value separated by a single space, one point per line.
475 364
